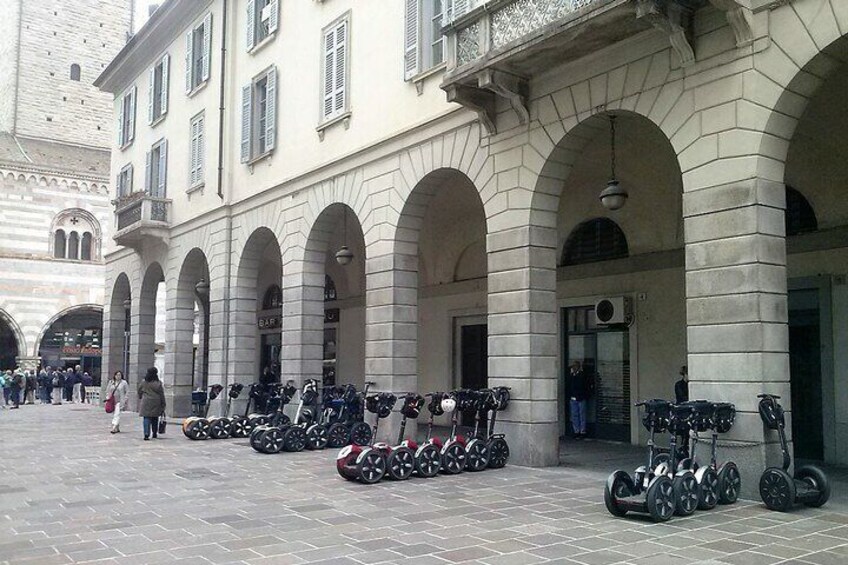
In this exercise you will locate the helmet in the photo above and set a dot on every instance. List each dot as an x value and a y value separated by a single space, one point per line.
502 396
349 394
435 405
381 404
235 390
412 404
214 391
448 404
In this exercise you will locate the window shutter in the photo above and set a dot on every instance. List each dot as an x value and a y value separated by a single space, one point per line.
163 169
341 67
121 110
274 17
119 185
148 166
207 44
329 59
151 92
410 39
460 7
250 31
189 48
166 71
128 187
192 151
245 122
133 96
270 108
201 125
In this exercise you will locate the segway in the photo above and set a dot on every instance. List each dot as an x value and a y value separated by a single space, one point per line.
220 427
496 444
271 395
197 427
273 443
240 424
400 459
687 491
453 452
353 430
428 459
780 491
700 420
317 432
367 464
729 478
623 493
477 448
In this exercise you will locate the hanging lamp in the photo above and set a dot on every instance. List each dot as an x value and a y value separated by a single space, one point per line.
613 197
344 255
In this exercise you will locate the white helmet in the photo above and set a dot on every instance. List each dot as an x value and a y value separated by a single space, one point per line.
448 404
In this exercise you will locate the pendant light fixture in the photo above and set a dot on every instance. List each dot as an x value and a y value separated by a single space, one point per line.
613 197
344 255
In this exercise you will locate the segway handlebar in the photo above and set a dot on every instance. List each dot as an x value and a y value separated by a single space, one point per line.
764 395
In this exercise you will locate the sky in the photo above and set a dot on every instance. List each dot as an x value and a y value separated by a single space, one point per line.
141 7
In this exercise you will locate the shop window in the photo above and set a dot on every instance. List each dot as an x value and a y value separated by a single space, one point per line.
800 216
599 239
329 289
273 298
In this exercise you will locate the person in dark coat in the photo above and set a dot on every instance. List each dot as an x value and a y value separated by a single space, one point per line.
579 392
151 405
70 380
681 387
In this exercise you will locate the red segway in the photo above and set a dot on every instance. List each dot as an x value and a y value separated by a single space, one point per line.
367 464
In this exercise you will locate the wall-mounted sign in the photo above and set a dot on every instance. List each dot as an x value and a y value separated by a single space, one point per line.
331 315
75 350
269 322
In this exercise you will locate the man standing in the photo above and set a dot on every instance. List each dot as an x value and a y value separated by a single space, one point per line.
579 391
31 387
681 387
69 385
78 384
58 382
17 385
44 384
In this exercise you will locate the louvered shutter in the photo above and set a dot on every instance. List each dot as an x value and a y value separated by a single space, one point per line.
274 16
250 30
245 122
128 186
151 93
166 71
207 45
119 185
163 170
121 110
329 67
340 90
131 124
188 61
410 39
270 108
460 7
201 125
148 170
192 153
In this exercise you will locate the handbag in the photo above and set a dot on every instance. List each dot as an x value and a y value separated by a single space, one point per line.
162 424
109 405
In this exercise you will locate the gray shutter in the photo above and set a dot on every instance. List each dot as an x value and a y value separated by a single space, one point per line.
201 127
151 92
270 108
340 94
207 45
274 16
148 166
329 67
133 97
460 7
410 39
119 186
166 71
128 188
245 122
188 61
163 170
121 107
250 31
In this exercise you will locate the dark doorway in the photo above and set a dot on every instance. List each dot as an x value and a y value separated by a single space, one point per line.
8 346
473 361
805 370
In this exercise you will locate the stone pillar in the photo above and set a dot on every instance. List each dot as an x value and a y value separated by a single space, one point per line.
736 309
391 328
303 321
179 331
113 343
142 343
523 339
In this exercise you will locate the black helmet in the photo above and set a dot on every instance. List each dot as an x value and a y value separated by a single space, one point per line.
502 396
235 390
381 404
435 404
214 391
412 404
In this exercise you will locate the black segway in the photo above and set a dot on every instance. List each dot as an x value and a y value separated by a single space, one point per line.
700 420
220 427
780 491
687 491
197 427
428 460
645 492
477 448
274 442
496 444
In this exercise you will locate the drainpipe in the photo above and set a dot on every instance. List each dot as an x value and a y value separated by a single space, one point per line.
221 104
225 357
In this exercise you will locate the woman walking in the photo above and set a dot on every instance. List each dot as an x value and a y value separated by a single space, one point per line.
152 402
118 390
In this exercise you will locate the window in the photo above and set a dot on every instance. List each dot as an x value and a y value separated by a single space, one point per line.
198 52
126 118
75 72
85 247
335 100
156 170
59 244
75 235
596 240
424 44
157 89
197 150
329 289
73 245
262 19
124 182
273 298
800 216
258 117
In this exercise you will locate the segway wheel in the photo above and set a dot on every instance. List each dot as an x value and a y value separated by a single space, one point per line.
619 486
453 458
271 441
660 499
687 493
260 420
777 489
284 420
498 453
294 439
709 488
237 427
256 436
817 480
428 463
220 429
400 464
729 483
371 468
186 425
201 429
316 437
360 434
338 435
477 456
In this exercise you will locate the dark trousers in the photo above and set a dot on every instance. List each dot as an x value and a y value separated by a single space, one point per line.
151 423
46 394
15 393
7 392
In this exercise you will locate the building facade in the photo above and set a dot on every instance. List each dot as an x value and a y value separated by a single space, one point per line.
55 134
458 151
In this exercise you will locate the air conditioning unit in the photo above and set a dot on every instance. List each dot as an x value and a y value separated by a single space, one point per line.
611 311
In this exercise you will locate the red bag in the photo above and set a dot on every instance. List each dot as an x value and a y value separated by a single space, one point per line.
110 404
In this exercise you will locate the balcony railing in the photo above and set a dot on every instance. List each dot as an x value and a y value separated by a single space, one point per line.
141 216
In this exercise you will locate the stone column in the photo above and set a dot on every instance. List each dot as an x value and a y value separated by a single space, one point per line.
142 343
391 328
522 339
303 321
179 324
736 309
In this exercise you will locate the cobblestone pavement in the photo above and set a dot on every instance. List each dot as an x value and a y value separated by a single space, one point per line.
71 492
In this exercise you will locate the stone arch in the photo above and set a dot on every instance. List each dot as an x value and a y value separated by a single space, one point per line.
116 326
13 326
60 223
78 308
